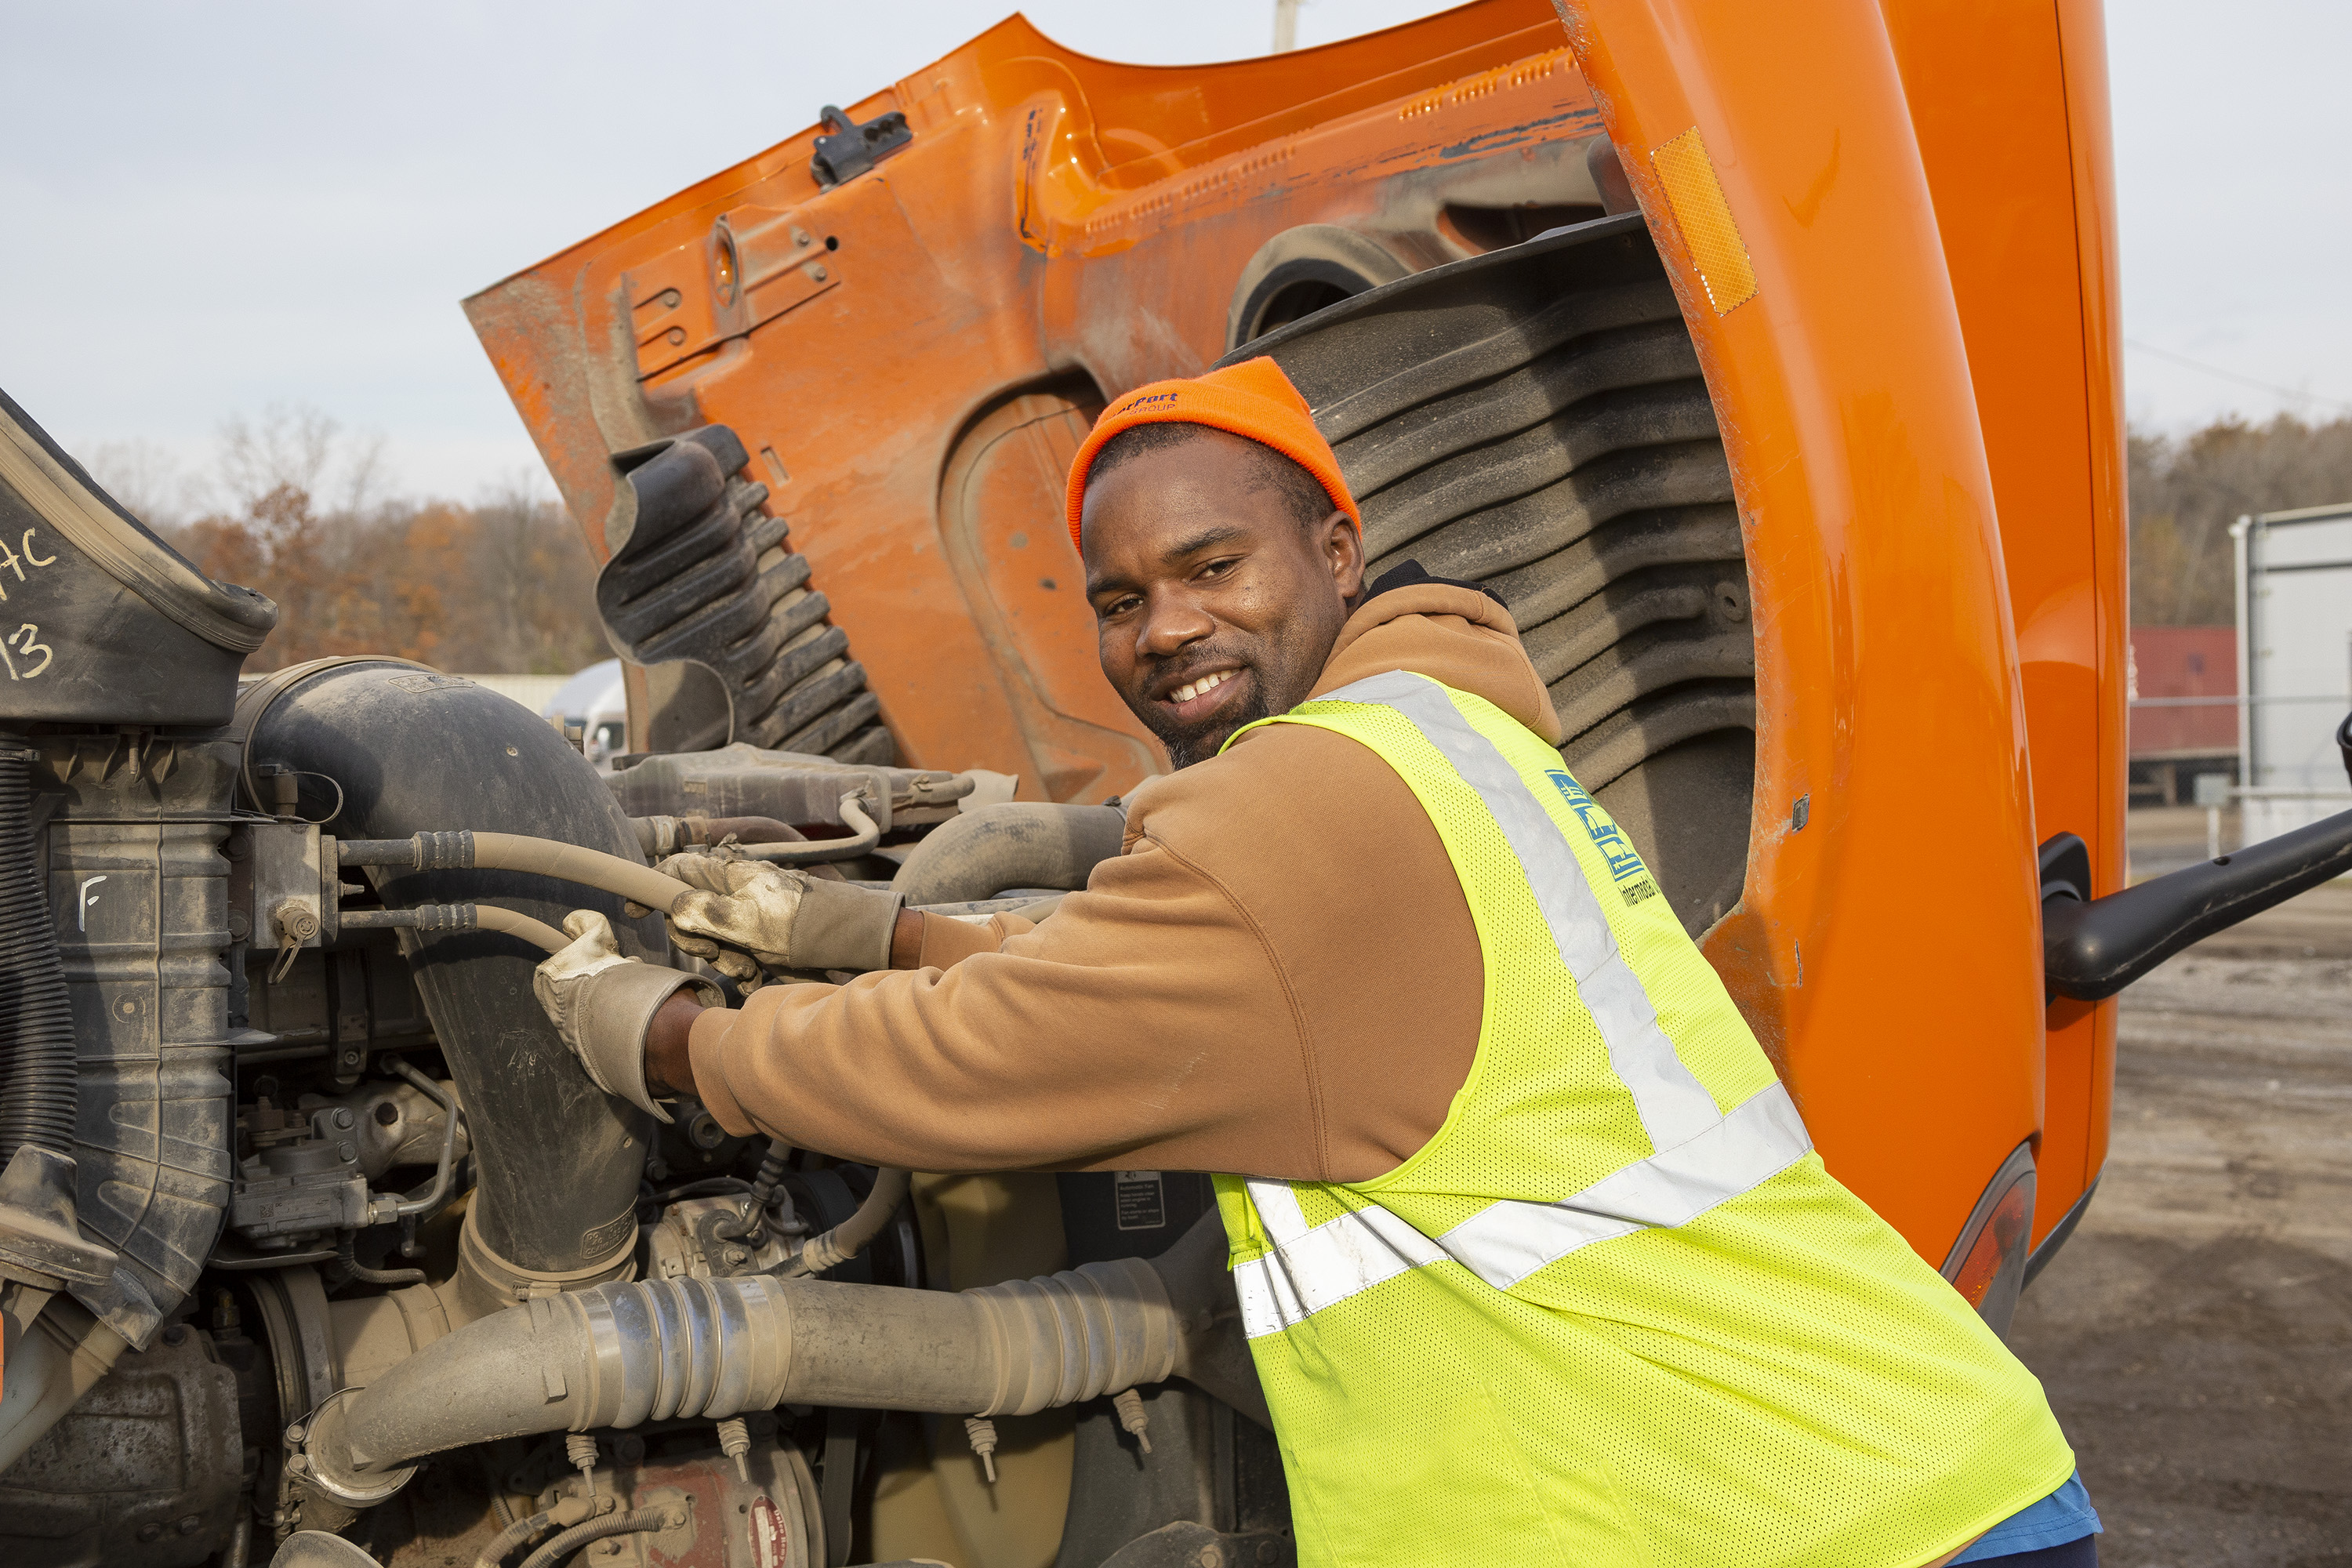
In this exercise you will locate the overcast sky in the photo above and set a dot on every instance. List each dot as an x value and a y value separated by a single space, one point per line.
209 210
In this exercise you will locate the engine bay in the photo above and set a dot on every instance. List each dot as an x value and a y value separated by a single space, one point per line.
323 1128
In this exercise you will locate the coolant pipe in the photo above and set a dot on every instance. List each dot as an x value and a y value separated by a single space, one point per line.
760 837
848 1239
438 1192
1014 843
617 1355
458 917
818 851
518 852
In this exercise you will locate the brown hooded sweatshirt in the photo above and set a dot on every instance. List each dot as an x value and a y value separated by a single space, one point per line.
1278 976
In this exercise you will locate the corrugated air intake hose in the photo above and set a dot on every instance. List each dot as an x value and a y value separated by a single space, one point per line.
37 1061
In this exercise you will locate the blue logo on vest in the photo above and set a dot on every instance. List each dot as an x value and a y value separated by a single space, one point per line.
1615 848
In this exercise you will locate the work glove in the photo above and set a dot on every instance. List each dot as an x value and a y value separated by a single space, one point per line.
781 918
603 1002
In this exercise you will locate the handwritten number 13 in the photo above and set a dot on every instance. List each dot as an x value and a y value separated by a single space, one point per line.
22 640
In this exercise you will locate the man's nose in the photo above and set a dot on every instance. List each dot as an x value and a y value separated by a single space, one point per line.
1173 621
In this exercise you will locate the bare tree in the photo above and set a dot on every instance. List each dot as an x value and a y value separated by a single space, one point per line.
146 478
2186 492
289 448
313 520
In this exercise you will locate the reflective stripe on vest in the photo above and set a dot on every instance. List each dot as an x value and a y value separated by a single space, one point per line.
1703 1157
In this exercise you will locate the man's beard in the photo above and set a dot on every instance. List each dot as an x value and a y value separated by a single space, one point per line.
1281 669
1187 746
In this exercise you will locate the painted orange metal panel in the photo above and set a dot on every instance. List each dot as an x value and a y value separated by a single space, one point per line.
1886 951
1919 399
1056 221
2009 144
2090 125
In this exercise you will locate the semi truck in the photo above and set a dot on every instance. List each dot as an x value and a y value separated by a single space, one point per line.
1764 363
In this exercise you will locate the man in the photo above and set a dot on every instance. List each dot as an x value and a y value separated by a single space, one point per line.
1535 1259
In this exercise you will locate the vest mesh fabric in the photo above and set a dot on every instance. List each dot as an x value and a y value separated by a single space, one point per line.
1726 1358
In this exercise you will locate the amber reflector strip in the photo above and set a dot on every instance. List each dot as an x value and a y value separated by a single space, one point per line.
2002 1230
1705 218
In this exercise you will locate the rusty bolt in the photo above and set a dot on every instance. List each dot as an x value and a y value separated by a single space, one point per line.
297 1432
343 1116
191 1524
151 1531
1210 1557
737 1255
346 1151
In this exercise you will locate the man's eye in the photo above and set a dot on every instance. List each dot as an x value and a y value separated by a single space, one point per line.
1219 568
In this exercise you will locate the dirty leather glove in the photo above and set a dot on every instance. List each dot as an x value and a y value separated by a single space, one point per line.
602 1003
784 919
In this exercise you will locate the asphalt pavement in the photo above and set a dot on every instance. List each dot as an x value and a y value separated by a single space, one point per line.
2196 1334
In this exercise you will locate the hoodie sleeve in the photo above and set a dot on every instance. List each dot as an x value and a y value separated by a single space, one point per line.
1279 977
1130 1029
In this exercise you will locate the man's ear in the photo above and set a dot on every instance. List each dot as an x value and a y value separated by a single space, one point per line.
1342 548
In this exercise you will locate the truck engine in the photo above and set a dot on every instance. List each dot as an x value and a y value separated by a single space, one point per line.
312 1223
316 1241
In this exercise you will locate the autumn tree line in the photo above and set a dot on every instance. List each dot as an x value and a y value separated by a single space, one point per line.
2186 492
299 510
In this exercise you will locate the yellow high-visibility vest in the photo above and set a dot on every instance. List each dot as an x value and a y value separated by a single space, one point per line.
1616 1312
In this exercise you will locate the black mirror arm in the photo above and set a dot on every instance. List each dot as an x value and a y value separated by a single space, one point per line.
2091 949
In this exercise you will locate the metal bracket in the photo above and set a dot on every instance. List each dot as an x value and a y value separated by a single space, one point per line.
851 149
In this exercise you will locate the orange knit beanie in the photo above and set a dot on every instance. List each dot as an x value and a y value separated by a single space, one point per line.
1253 398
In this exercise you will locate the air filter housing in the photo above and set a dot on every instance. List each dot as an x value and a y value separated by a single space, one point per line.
102 622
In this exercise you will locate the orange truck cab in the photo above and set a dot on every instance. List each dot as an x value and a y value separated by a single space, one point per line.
1765 361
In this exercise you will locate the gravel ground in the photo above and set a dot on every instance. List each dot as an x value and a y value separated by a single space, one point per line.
2196 1335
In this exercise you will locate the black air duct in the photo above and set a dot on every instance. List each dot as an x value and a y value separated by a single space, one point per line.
386 749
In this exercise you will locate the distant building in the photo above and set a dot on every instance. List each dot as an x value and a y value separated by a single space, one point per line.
2184 713
2295 607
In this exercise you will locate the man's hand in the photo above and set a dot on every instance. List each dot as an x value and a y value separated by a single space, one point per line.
748 914
603 1003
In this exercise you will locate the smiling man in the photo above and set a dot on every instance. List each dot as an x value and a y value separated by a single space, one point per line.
1535 1259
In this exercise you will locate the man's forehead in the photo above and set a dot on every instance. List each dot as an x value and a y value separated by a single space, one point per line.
1173 502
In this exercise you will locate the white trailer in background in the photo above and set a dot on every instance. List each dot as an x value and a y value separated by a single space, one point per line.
2295 658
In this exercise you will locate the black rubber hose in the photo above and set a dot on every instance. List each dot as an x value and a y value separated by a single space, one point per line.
521 1531
37 1087
637 1522
366 1276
